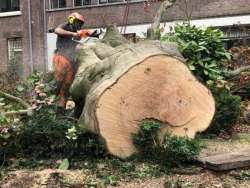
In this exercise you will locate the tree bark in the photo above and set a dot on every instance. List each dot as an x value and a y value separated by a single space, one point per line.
237 71
27 111
153 32
134 82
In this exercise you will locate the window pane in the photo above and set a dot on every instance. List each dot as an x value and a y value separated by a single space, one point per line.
9 5
82 2
103 1
3 5
15 5
62 3
57 4
54 3
78 3
115 1
15 55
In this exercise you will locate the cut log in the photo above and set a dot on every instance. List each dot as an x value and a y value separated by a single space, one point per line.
134 82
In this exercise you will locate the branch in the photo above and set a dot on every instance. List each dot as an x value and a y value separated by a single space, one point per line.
237 71
152 32
113 37
15 99
28 110
157 19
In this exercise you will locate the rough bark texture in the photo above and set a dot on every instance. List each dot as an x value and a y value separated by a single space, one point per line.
153 32
133 82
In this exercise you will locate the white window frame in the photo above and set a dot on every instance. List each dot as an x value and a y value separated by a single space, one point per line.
14 45
12 13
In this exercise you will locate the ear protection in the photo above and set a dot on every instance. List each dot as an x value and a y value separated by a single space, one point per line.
71 19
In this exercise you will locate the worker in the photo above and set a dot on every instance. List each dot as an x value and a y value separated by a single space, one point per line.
64 58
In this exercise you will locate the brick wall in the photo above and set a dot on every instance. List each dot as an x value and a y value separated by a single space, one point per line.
98 16
18 26
10 28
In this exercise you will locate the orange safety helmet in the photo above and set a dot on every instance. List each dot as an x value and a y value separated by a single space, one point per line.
75 16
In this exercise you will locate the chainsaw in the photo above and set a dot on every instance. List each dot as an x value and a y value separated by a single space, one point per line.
85 36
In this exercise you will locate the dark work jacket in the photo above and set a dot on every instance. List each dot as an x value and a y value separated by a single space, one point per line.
66 46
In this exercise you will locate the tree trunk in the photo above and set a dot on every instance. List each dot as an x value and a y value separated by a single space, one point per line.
125 84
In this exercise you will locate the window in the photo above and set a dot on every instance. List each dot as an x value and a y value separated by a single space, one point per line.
78 3
110 1
15 49
236 35
9 5
57 4
15 56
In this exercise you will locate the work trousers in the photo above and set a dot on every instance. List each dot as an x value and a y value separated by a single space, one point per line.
64 76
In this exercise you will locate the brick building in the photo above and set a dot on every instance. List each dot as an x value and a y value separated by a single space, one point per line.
25 43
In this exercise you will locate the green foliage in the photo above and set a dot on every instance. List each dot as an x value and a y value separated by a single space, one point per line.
34 78
44 135
202 48
146 139
227 110
172 151
179 150
64 165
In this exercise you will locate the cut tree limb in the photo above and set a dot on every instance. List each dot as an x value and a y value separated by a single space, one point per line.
147 80
238 71
18 112
27 111
15 99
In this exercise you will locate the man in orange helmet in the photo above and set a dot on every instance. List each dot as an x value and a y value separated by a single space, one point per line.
64 57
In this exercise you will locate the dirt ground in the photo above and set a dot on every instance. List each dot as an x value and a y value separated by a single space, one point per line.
200 179
189 177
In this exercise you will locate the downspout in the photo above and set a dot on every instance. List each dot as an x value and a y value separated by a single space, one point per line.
30 37
45 37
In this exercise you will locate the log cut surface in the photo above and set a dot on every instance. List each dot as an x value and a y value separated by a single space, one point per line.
122 83
160 88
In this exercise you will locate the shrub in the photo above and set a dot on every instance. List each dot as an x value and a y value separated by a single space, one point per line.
227 110
180 150
146 139
172 151
44 135
202 48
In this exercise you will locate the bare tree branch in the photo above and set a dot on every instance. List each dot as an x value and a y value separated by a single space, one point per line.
152 32
16 99
19 112
28 110
237 71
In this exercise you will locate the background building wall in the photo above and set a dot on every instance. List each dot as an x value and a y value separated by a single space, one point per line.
41 45
10 27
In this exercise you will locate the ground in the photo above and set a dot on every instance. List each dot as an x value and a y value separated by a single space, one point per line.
111 172
87 173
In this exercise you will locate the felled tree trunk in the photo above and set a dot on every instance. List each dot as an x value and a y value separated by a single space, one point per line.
124 83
